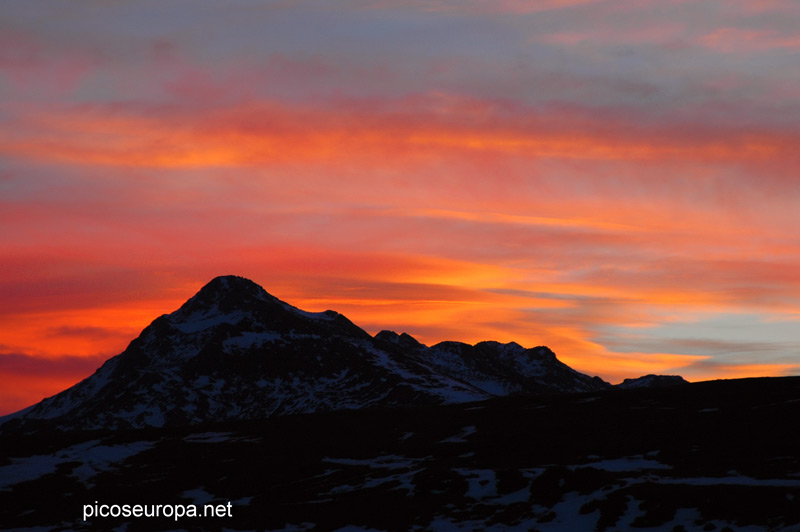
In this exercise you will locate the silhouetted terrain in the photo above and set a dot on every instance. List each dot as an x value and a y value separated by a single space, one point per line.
719 455
235 352
303 421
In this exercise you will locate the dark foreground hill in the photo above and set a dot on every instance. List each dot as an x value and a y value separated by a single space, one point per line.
722 455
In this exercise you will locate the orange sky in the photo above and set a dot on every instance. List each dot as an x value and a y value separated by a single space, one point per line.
623 189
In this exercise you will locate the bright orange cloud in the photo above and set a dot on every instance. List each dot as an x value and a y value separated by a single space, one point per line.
273 134
87 331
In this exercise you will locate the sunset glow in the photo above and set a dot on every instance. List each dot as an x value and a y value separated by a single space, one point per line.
617 180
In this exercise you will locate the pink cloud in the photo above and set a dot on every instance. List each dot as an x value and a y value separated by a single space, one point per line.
31 65
738 40
476 6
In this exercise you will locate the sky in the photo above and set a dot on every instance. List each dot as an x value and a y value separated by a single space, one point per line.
617 180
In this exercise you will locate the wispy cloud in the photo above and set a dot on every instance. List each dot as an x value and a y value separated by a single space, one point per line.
422 127
731 40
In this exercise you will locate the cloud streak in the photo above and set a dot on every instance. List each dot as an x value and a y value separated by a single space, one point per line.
428 126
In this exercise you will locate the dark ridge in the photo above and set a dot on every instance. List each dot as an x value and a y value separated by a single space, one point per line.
654 381
403 340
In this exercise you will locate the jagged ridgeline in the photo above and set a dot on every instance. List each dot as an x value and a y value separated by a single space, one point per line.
234 352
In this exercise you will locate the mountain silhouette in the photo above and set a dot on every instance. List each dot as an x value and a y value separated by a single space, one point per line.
234 352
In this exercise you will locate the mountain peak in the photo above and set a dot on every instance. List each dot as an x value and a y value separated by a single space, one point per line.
225 293
232 284
403 340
